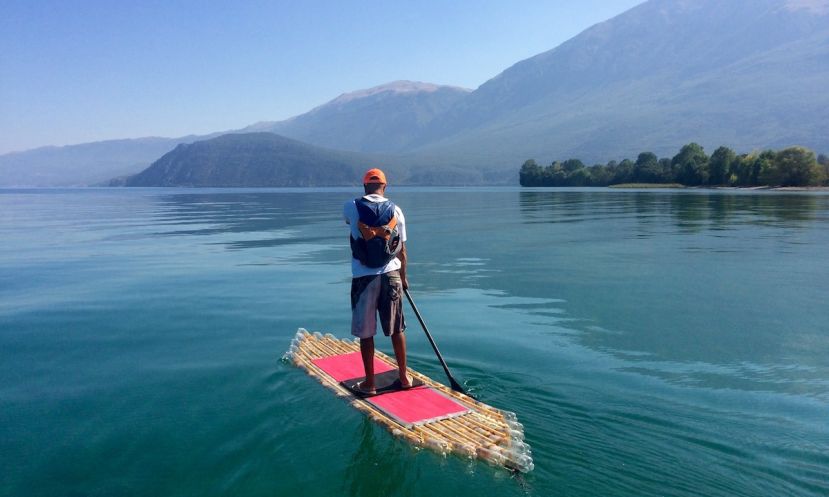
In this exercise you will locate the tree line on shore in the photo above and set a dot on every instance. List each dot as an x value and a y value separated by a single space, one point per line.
793 166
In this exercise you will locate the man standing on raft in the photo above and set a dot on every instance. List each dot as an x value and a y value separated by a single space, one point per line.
378 270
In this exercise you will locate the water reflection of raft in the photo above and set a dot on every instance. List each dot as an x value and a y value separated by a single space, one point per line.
431 415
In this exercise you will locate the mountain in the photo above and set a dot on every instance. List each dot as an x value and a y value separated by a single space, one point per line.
85 164
385 118
379 119
267 159
745 73
749 74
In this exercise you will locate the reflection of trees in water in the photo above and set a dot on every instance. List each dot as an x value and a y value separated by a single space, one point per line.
691 212
555 205
562 206
695 212
636 212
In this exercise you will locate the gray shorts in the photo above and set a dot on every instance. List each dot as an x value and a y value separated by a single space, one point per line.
375 294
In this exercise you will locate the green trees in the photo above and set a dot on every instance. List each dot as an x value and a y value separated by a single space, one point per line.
740 173
764 169
666 171
579 177
796 166
793 166
571 165
624 172
554 175
530 174
601 175
692 165
758 169
719 166
823 162
647 168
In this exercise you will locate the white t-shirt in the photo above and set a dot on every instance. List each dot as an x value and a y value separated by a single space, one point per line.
352 217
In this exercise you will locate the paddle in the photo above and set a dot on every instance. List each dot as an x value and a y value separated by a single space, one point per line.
452 382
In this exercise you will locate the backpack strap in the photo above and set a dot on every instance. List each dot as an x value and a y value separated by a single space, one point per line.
374 213
384 232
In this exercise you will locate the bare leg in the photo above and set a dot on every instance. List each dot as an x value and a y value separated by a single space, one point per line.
367 353
398 341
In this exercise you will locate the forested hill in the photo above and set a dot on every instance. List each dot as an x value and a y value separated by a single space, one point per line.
267 159
253 159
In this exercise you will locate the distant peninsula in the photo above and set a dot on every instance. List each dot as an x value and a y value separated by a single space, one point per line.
270 160
252 159
790 167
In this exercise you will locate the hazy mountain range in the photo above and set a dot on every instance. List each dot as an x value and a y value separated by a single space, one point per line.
749 74
390 117
84 164
745 73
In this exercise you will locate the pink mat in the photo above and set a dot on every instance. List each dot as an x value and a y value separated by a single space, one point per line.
418 405
409 407
347 366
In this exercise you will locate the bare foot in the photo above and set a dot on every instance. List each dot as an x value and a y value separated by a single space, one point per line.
404 382
364 389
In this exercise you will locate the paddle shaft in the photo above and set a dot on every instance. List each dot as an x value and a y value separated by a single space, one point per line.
452 382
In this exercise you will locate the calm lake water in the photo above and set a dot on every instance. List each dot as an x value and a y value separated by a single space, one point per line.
654 343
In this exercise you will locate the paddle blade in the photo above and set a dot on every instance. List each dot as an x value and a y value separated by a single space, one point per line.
458 388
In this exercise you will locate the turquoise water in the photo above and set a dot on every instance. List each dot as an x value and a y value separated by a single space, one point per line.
655 343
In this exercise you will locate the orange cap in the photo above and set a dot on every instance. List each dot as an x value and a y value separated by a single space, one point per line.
374 176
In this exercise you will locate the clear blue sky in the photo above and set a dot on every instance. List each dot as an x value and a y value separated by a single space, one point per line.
79 71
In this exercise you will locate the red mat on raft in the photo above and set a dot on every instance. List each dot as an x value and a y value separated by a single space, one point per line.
417 405
347 366
414 406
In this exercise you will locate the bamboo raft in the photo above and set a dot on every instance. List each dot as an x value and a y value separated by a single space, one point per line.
481 432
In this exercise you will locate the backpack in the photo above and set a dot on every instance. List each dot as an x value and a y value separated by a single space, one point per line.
379 242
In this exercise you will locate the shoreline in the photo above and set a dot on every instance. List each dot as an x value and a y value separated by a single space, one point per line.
676 186
623 186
